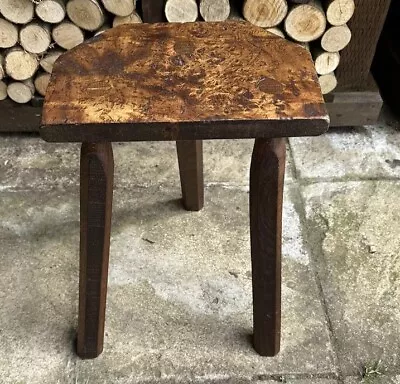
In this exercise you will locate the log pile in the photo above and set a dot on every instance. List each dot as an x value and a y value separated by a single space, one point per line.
34 33
321 24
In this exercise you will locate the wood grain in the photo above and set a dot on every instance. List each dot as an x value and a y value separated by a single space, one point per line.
190 159
266 195
356 59
118 86
153 11
97 171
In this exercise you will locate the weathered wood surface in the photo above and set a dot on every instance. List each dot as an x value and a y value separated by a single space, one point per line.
350 108
386 66
157 91
356 59
96 191
153 11
190 159
266 195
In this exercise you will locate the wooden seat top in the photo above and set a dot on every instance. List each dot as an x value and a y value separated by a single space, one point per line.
183 81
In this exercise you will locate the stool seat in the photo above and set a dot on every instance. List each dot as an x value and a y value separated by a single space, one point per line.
183 82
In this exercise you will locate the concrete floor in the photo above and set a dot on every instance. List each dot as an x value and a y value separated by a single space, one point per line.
179 299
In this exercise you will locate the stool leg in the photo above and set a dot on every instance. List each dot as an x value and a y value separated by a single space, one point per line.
266 195
97 172
190 159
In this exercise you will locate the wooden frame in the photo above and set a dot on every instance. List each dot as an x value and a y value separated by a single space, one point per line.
356 102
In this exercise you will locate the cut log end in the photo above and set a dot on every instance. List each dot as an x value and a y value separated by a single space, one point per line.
328 83
325 62
119 8
133 18
214 10
35 38
3 90
8 34
21 92
51 11
181 11
265 13
276 31
67 35
20 65
17 11
336 38
47 62
41 83
339 12
86 14
306 23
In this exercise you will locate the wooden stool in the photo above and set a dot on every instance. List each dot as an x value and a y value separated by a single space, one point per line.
183 82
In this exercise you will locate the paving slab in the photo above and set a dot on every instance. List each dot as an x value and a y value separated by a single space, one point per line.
373 379
353 232
179 300
368 152
26 161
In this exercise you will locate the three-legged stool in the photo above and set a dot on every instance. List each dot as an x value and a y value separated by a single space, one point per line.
183 82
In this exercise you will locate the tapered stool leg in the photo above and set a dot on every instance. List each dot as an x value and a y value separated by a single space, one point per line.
190 159
97 171
266 195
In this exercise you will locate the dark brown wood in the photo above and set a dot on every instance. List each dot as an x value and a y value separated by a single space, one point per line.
345 108
354 108
19 117
386 66
190 159
266 194
153 11
97 171
356 59
198 80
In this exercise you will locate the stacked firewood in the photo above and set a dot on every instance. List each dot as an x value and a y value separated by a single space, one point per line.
319 25
34 33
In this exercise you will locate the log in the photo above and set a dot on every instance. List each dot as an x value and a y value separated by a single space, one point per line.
3 90
17 11
41 83
306 22
265 13
2 72
8 34
215 10
51 11
336 38
19 64
120 7
67 35
86 14
35 37
339 12
47 62
181 11
276 31
21 91
133 18
328 83
325 62
102 29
